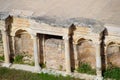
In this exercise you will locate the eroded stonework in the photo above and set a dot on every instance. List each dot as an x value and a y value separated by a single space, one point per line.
23 44
86 53
55 55
60 44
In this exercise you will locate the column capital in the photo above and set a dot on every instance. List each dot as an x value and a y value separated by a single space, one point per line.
66 37
97 42
33 36
4 30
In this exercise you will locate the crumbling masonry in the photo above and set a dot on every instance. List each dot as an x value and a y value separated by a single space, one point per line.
61 44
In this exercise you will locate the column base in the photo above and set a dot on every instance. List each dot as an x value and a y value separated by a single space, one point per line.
76 64
6 64
37 69
68 71
99 78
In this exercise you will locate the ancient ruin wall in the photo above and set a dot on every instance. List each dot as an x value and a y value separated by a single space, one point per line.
55 55
24 44
86 53
113 55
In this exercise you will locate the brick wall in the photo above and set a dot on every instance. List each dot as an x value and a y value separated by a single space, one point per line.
113 55
24 43
86 53
55 56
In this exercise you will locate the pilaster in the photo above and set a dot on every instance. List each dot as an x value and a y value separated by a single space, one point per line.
67 53
13 44
105 53
76 55
98 60
6 48
43 43
36 53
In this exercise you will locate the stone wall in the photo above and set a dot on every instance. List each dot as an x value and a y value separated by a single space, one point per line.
113 55
55 54
86 53
24 43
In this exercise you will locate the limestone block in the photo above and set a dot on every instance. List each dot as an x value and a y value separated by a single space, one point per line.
20 23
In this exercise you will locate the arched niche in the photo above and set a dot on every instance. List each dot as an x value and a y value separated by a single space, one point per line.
113 54
14 31
23 42
54 52
86 52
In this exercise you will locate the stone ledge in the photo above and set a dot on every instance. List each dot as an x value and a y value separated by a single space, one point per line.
6 64
50 71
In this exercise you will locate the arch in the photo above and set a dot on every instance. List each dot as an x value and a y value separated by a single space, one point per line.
80 40
23 45
116 41
113 53
111 43
21 28
20 31
83 40
22 38
86 51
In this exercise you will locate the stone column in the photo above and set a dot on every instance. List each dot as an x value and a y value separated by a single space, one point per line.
13 44
43 43
36 53
98 61
6 48
67 53
105 52
76 56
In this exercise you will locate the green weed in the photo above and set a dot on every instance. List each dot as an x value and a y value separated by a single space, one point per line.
86 68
